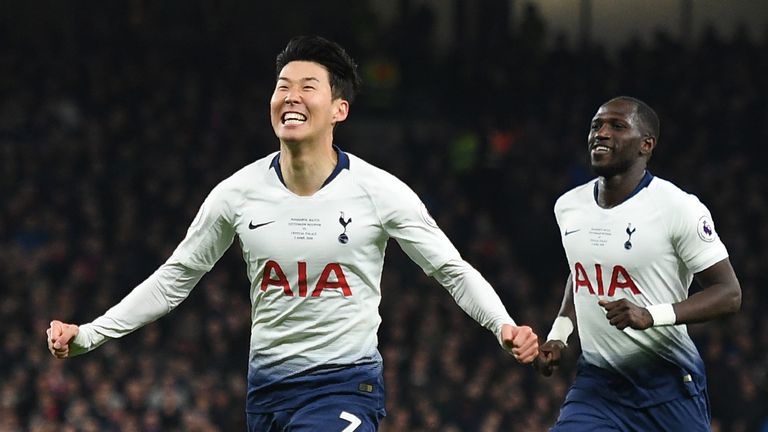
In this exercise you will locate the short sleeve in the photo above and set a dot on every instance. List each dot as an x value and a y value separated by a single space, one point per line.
694 235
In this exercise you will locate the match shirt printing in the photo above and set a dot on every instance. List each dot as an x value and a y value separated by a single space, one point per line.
646 250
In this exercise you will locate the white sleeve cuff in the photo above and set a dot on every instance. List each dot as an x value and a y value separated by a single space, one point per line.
87 339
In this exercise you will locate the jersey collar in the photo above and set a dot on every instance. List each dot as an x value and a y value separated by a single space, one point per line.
343 163
644 182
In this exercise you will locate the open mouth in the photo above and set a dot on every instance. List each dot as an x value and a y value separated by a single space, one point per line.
600 149
293 118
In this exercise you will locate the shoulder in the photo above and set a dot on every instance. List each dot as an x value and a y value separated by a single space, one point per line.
690 225
374 180
390 197
247 176
669 195
578 196
230 192
683 212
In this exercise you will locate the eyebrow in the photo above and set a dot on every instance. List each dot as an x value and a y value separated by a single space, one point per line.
305 79
609 116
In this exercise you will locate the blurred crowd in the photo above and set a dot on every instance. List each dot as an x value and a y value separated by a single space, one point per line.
116 121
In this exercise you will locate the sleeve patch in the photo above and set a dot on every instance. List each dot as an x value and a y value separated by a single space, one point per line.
706 229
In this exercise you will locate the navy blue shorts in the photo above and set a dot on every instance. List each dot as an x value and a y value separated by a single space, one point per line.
332 413
344 399
587 411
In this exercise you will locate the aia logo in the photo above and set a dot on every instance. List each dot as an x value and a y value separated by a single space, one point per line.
332 277
620 279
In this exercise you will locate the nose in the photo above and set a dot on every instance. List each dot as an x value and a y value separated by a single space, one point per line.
292 96
597 135
602 132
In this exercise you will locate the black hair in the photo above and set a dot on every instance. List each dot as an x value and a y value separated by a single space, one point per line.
647 115
342 69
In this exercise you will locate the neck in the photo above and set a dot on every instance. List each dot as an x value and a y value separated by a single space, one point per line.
306 167
614 189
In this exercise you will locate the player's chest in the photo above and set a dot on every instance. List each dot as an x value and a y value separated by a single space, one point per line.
301 227
632 238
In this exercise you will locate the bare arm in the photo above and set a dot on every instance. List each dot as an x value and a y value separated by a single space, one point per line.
720 296
550 352
567 309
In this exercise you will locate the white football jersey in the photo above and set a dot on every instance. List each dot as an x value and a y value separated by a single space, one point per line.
646 250
315 262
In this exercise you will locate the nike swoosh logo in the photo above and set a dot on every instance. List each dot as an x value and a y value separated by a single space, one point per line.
253 226
567 233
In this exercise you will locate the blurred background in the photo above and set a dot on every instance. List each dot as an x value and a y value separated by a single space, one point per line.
117 118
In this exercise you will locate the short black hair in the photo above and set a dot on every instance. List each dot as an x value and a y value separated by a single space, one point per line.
647 115
342 69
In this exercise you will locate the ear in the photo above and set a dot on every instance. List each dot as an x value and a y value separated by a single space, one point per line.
647 145
340 110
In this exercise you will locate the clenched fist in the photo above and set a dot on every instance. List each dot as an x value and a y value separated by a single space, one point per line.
549 357
623 313
59 336
521 342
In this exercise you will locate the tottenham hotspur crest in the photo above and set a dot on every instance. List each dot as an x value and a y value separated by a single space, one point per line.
343 238
630 231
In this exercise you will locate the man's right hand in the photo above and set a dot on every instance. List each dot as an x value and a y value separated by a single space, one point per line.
549 357
59 337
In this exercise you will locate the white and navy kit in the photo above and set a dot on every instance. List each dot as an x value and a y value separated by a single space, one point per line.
647 250
315 265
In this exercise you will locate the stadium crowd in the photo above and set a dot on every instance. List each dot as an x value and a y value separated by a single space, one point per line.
115 123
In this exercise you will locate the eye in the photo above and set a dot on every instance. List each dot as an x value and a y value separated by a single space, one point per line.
309 87
594 126
619 126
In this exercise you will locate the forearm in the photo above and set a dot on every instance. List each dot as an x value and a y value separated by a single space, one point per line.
563 325
474 294
567 307
168 286
720 296
709 304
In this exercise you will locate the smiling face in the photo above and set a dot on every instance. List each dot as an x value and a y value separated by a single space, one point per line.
617 139
302 107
